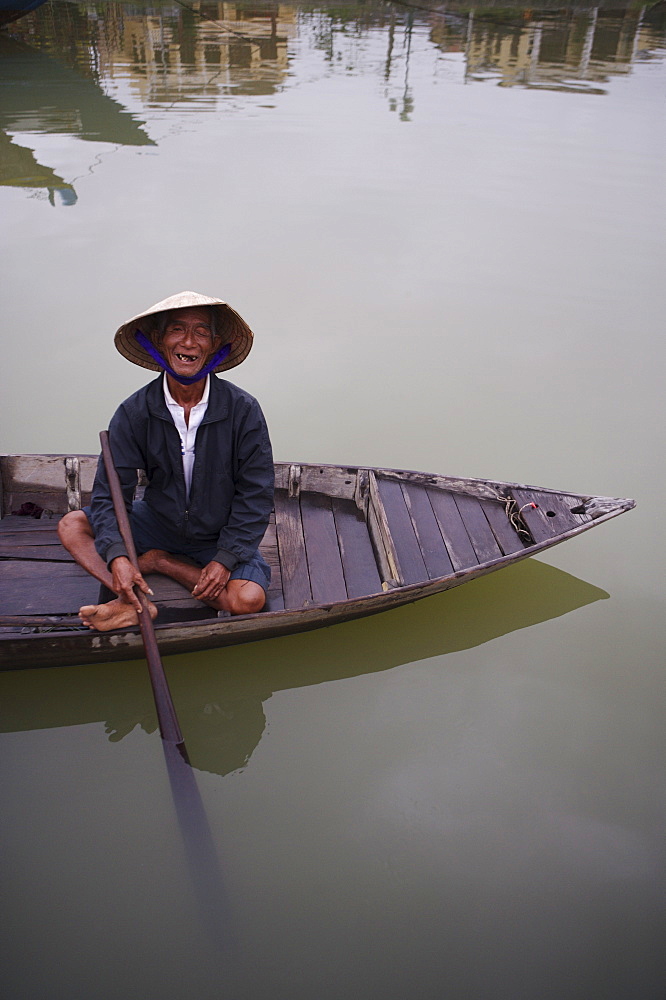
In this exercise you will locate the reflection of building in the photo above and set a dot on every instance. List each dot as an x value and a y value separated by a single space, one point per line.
190 55
171 54
578 48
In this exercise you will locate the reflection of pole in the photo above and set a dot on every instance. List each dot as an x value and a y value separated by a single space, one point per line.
468 43
389 54
407 104
163 48
589 41
639 25
536 50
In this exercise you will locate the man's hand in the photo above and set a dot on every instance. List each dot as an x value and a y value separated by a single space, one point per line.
212 581
125 578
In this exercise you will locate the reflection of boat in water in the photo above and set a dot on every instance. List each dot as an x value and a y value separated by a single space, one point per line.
343 543
220 697
56 101
11 10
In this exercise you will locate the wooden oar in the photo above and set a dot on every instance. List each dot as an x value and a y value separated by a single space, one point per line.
199 844
166 713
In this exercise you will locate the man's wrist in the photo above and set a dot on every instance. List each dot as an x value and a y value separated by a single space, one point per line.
115 551
227 559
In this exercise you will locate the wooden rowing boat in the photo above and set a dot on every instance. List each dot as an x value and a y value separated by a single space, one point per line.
342 543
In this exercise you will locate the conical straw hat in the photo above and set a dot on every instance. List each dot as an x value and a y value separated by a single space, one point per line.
231 327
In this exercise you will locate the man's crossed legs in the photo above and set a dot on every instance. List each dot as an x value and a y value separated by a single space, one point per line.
213 584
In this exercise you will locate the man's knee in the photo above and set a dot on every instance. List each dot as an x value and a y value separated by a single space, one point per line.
72 526
246 599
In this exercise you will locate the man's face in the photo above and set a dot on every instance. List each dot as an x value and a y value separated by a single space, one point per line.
188 340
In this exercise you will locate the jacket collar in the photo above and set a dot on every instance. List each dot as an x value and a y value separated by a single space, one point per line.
218 400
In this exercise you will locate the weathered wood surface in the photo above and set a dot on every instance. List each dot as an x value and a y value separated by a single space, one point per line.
552 515
327 578
433 548
37 553
507 537
411 564
382 540
11 524
42 479
477 527
73 480
27 474
45 588
34 540
331 480
358 561
24 547
452 527
291 547
343 543
269 550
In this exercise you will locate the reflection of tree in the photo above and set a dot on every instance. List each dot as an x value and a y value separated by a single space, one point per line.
219 695
58 100
19 168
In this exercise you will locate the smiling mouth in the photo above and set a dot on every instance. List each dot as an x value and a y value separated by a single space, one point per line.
187 357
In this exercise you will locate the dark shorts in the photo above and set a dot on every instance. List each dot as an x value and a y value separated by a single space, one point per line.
151 533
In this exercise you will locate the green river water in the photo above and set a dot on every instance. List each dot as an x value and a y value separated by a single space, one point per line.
445 225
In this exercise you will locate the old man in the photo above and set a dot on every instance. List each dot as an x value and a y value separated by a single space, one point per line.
205 449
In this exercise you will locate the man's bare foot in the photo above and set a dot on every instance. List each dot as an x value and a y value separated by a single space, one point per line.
115 614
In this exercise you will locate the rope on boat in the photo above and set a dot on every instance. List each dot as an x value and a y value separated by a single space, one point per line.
515 515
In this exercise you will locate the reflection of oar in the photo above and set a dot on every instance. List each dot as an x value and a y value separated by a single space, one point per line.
166 713
200 851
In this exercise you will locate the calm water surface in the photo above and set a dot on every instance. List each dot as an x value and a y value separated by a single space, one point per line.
446 228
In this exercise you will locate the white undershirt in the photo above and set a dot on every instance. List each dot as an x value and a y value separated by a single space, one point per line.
188 432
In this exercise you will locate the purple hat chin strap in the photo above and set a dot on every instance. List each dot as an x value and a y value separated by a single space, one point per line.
163 363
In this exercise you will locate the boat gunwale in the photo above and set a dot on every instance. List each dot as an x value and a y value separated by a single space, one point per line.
431 479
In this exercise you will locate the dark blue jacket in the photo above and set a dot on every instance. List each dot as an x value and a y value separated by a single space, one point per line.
231 496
